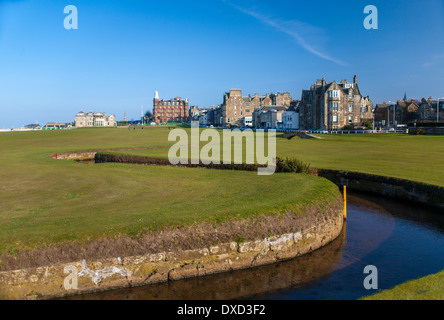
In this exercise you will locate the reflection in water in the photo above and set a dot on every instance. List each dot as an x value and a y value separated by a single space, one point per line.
238 284
403 241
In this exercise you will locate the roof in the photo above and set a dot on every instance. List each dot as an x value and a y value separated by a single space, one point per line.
269 108
291 109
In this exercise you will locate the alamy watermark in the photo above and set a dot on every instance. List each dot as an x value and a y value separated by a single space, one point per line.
371 21
71 281
371 281
232 141
72 19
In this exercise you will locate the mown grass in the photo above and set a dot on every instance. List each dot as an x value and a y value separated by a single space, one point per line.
416 158
45 201
427 288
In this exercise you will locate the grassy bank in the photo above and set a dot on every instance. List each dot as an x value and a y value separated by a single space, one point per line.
427 288
46 201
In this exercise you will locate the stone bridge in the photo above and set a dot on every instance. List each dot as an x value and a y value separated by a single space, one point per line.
300 134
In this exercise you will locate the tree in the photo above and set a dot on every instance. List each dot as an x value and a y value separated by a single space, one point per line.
367 124
148 116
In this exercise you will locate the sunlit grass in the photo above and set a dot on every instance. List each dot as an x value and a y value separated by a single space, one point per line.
46 201
427 288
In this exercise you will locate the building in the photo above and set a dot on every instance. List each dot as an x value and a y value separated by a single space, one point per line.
333 106
195 112
56 125
203 119
383 115
290 119
98 119
281 99
248 122
268 116
428 109
406 111
35 126
205 115
174 110
236 109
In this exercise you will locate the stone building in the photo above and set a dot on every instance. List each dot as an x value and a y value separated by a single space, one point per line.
281 99
332 106
428 109
406 111
174 110
383 115
195 112
236 109
97 119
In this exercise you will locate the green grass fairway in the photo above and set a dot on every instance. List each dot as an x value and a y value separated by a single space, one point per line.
416 158
46 201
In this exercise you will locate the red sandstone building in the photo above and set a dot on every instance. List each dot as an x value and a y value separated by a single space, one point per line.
174 110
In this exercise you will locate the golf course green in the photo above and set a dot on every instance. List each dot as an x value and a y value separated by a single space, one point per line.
46 202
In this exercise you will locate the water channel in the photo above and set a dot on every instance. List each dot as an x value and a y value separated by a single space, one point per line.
402 240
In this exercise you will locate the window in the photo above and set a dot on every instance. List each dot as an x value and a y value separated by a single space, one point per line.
350 107
334 106
334 94
334 119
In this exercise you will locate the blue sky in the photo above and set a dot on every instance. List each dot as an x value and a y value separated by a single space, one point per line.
124 51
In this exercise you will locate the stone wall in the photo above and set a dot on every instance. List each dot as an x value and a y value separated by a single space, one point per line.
93 276
401 189
76 156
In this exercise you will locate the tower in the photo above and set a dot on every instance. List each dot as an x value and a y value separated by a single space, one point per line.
124 118
142 115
